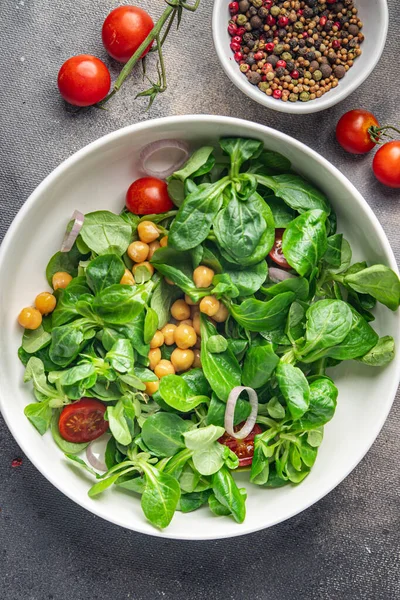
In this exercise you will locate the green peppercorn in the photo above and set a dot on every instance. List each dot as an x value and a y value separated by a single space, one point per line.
257 3
293 97
304 96
307 74
278 49
244 68
264 86
317 75
286 56
241 20
298 27
275 11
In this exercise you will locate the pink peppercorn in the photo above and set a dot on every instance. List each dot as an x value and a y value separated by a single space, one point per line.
323 21
235 47
270 20
238 56
283 21
295 74
237 39
281 63
337 24
259 55
270 47
234 8
336 44
241 31
277 94
232 29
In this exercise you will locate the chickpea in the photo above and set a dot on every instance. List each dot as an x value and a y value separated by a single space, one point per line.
146 264
127 278
164 241
169 281
164 367
45 303
30 318
157 340
203 276
182 359
148 232
180 310
168 332
185 337
138 251
209 305
60 280
154 357
222 313
186 322
189 301
151 387
197 359
196 323
153 246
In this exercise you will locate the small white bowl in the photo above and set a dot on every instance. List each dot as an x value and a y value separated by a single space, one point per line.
97 178
375 16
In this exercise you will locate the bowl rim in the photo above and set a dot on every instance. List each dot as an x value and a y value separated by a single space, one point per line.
298 108
253 128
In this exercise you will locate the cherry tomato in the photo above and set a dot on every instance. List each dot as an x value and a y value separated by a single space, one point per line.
124 30
386 164
244 449
83 421
352 131
84 80
148 196
276 253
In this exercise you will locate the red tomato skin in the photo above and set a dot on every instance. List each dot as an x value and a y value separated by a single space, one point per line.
352 131
386 164
244 449
148 196
124 30
84 80
83 421
276 253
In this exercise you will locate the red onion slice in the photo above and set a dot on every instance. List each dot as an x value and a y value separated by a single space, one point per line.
70 236
96 451
278 275
230 412
151 149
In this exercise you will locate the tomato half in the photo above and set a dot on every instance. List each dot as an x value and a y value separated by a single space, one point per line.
352 131
386 164
83 421
84 80
276 253
244 449
124 30
148 196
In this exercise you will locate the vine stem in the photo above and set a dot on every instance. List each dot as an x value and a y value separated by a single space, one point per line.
375 133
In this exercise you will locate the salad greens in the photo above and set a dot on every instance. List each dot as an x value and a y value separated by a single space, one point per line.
278 337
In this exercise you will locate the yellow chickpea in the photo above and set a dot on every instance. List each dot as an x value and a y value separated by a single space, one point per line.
157 340
152 387
138 251
154 357
203 276
45 303
180 310
182 359
186 322
146 264
169 281
164 367
168 332
30 318
127 278
197 359
60 280
196 323
164 241
148 232
153 246
185 337
209 306
189 301
222 313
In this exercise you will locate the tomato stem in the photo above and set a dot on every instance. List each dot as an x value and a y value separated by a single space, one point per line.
375 133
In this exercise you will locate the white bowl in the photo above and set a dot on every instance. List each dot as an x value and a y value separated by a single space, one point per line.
373 13
97 177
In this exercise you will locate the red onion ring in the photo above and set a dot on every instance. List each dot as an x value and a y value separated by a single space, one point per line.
147 152
230 412
95 452
278 275
70 236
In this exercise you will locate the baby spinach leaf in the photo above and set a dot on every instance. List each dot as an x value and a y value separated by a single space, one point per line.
161 300
162 433
296 322
193 501
217 508
294 387
68 447
229 495
160 497
275 409
39 414
282 213
209 460
36 339
203 437
260 465
35 372
104 271
323 396
193 165
216 411
150 325
217 344
259 364
106 233
345 259
197 382
68 341
304 241
76 380
64 261
360 339
248 279
118 423
298 193
333 254
275 161
120 304
297 285
240 150
379 281
176 393
328 324
381 354
256 315
222 370
224 287
121 356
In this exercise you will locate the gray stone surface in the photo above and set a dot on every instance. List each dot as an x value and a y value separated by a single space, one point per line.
346 546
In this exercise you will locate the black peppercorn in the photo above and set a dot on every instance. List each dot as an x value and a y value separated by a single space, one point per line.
308 13
262 12
282 33
302 43
311 3
252 11
244 5
247 37
250 60
310 56
293 43
272 60
309 42
280 72
253 77
256 22
290 65
251 44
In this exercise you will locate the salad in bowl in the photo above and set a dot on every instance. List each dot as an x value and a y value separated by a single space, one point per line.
192 336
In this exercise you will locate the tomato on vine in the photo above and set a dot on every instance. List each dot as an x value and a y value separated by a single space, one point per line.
84 80
357 131
386 164
124 30
148 196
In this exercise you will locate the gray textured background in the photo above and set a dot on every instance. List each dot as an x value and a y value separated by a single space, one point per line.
346 546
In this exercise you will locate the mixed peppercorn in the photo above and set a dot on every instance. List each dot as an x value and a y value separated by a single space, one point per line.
295 50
